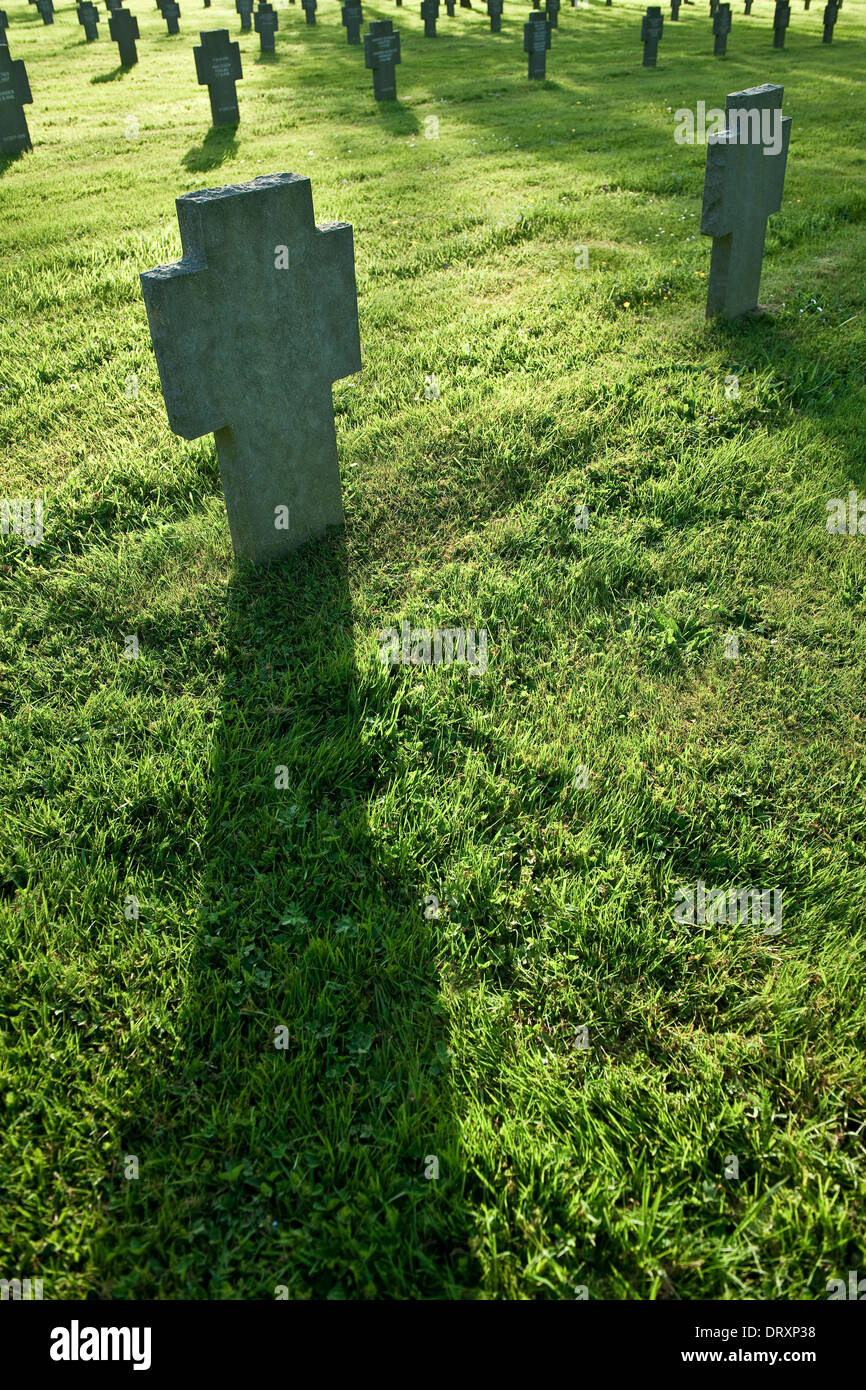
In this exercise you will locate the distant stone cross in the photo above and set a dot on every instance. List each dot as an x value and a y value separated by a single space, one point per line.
721 28
171 15
831 14
781 20
266 24
113 5
494 9
743 184
218 67
551 8
245 9
675 10
14 96
382 53
536 41
46 9
748 7
429 14
309 7
449 8
353 17
650 33
88 15
123 28
250 330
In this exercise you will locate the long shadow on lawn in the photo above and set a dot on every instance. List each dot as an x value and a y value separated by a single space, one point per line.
286 1149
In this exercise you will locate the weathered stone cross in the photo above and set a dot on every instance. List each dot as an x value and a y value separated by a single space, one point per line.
743 184
250 330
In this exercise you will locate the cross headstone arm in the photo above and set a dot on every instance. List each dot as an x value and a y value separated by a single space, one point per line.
21 82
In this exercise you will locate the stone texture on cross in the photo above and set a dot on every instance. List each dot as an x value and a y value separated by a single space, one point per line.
14 96
123 28
781 20
675 10
46 9
494 9
651 28
831 13
218 67
745 176
266 24
551 9
245 10
536 41
429 14
352 16
171 15
88 16
721 28
309 8
250 330
382 53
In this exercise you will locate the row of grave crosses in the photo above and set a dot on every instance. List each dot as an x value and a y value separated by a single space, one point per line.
294 319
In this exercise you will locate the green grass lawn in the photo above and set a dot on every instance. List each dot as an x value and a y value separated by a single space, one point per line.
412 1035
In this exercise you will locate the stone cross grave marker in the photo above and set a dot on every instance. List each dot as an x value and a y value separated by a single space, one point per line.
831 14
218 67
112 5
14 96
251 329
171 15
536 41
46 9
494 9
266 24
353 17
123 28
88 16
552 10
781 20
382 53
675 10
721 28
309 7
429 14
449 8
714 5
245 9
743 183
4 23
748 7
650 33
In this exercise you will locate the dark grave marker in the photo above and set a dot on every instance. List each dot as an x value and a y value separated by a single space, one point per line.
171 15
807 4
748 9
309 8
382 53
536 41
745 176
4 22
353 18
429 14
675 10
218 67
449 8
781 20
123 28
114 5
14 96
250 330
46 9
88 16
266 25
831 14
245 10
494 9
714 5
721 28
650 33
552 9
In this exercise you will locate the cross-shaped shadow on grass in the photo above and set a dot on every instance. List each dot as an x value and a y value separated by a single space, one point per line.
218 145
284 1137
112 76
